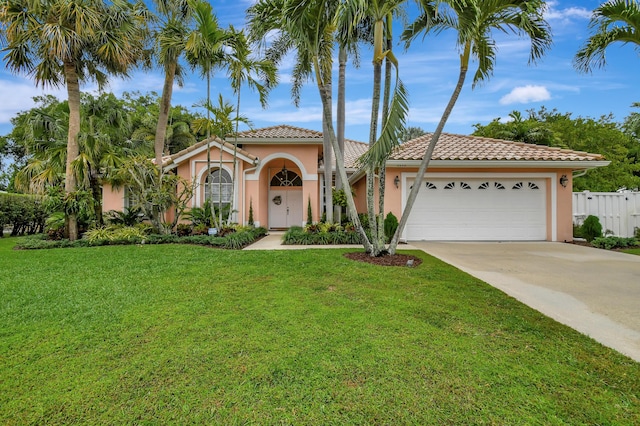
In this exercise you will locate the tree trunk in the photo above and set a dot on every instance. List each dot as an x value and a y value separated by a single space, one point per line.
235 159
464 64
327 154
340 117
163 114
382 170
70 183
373 135
351 205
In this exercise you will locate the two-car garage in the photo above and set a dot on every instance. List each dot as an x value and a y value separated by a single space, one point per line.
491 208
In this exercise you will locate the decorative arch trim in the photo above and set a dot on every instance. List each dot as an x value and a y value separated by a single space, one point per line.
281 155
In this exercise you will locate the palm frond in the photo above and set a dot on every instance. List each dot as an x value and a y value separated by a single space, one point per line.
391 134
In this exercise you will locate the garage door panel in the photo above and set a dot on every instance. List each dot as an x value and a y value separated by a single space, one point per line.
479 209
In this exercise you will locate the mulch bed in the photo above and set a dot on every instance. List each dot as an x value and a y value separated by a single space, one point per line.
385 260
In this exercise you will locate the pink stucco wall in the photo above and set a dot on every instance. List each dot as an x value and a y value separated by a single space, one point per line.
253 184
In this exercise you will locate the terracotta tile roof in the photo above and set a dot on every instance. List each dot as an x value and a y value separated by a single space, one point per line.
352 151
459 147
282 131
214 140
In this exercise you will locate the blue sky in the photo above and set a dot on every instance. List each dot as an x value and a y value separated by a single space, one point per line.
429 69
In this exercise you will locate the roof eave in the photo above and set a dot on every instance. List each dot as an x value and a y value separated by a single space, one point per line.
278 141
486 164
204 147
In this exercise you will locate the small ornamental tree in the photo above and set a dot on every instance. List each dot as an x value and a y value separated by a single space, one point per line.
251 222
309 213
591 228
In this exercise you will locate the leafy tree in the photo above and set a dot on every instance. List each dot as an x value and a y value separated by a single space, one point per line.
600 136
615 21
474 21
411 133
529 130
66 42
140 176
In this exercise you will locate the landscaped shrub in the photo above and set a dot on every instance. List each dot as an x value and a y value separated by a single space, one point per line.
54 226
117 235
390 226
128 217
321 234
591 228
251 222
183 229
612 242
26 214
309 212
577 231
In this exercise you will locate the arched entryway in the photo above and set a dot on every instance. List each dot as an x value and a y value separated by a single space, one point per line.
285 199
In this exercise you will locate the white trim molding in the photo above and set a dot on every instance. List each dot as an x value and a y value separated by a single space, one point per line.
282 155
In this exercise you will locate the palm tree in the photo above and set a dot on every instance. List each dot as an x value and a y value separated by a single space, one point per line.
306 26
474 21
380 14
102 145
243 68
614 21
204 49
66 42
222 125
170 40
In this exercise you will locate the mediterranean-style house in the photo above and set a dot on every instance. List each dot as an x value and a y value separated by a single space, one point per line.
475 188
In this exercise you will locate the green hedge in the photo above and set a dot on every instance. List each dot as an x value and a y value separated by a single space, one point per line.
129 235
24 213
316 235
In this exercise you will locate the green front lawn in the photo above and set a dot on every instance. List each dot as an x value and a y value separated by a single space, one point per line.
176 334
635 251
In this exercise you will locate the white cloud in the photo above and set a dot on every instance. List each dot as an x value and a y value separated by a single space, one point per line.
18 96
553 13
526 94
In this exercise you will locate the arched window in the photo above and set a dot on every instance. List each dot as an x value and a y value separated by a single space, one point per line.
218 177
286 178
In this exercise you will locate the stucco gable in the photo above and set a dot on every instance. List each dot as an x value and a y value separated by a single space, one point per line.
197 148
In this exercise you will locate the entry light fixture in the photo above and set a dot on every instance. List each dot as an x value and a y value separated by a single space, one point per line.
396 181
564 181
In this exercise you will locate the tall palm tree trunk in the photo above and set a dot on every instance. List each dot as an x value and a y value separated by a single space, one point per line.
413 195
235 158
340 117
163 114
328 158
371 169
351 205
382 170
70 183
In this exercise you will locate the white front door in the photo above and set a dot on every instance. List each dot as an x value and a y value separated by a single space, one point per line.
285 208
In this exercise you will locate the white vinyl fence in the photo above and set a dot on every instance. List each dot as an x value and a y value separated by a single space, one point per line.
619 212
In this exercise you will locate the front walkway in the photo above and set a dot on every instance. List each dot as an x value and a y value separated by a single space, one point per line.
273 241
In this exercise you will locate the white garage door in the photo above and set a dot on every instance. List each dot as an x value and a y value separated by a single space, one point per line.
479 210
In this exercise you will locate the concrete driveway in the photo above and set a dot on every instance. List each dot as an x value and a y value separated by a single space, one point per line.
596 292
